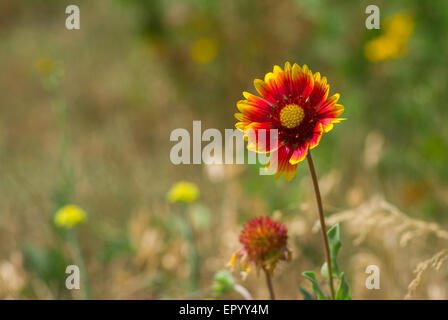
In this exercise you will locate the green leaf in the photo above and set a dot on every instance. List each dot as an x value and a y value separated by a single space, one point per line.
343 292
223 283
306 294
334 242
48 264
311 276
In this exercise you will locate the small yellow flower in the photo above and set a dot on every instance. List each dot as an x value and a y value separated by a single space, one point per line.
183 191
392 43
382 48
400 26
204 50
69 216
44 66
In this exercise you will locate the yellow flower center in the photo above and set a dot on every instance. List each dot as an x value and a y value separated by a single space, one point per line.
291 116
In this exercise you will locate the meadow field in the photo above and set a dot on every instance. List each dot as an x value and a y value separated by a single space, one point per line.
86 117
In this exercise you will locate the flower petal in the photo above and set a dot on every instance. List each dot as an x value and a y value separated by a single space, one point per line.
284 81
268 90
329 112
299 153
320 90
317 135
250 112
279 163
303 81
257 101
262 139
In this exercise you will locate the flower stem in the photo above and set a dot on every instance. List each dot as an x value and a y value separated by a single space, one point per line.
269 283
80 261
192 254
322 221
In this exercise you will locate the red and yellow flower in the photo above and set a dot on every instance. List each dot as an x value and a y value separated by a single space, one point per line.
265 242
295 102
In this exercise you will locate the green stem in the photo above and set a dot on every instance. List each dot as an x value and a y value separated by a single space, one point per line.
192 255
80 262
322 222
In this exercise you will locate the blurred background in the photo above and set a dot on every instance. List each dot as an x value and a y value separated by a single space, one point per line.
86 115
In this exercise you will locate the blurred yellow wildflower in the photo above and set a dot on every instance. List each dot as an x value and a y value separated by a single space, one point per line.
69 216
44 65
382 48
391 44
204 50
183 191
400 26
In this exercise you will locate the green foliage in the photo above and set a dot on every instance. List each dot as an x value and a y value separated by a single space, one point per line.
311 276
306 294
335 245
343 291
223 283
48 264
